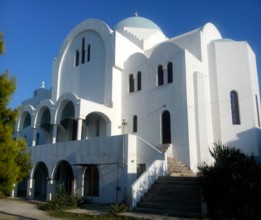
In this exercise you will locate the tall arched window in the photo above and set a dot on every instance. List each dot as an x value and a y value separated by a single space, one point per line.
160 75
234 107
170 72
77 56
131 83
135 123
139 81
83 50
89 53
166 127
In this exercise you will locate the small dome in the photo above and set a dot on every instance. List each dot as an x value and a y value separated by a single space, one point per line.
137 22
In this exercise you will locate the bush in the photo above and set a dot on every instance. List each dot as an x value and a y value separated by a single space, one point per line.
117 208
60 201
232 185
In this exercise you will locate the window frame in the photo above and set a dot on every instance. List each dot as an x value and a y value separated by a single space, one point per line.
139 81
170 72
131 83
135 124
234 104
160 75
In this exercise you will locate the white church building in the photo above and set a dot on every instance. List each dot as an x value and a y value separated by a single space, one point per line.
125 99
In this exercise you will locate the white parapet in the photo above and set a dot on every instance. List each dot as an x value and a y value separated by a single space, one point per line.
145 181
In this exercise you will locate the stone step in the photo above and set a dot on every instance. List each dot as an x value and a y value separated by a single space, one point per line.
171 206
182 174
178 180
174 196
176 168
173 212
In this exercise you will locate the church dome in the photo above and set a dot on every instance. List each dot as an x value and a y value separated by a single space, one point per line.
137 22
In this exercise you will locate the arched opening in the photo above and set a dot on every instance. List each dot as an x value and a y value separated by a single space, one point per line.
67 129
27 121
139 81
26 129
166 127
131 83
95 125
91 181
64 177
170 72
83 50
45 126
22 188
40 184
89 53
160 75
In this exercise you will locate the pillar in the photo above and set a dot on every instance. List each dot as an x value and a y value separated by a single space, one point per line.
30 188
50 189
34 137
74 190
79 129
13 193
54 133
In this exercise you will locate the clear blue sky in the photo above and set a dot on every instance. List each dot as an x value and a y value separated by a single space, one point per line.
35 29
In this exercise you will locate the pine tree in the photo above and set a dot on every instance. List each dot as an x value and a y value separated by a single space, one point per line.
14 160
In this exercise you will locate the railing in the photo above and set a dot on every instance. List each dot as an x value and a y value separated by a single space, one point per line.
145 181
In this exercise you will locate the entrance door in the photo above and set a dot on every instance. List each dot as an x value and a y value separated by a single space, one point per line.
91 181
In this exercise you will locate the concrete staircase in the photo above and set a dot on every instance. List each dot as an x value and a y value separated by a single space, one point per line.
176 168
176 195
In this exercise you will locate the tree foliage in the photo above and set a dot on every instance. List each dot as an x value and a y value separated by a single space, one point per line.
14 159
232 185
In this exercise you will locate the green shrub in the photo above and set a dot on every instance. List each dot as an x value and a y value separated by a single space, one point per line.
232 185
61 200
117 208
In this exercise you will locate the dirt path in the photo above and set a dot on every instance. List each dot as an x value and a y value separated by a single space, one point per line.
20 210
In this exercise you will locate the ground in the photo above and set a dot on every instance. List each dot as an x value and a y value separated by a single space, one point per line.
18 209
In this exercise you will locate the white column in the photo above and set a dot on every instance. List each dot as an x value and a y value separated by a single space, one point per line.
54 133
50 189
79 129
30 188
34 137
13 193
74 186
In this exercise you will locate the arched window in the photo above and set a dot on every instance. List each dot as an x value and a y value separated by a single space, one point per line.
89 53
234 107
170 72
139 81
131 83
166 127
91 181
97 125
83 50
77 56
135 123
160 75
